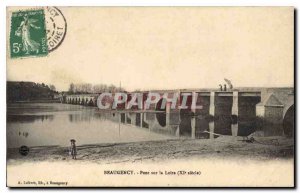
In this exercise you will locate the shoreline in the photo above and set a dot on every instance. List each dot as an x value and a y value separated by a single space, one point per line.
224 147
35 101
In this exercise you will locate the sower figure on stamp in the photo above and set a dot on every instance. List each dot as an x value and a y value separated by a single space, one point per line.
73 150
24 32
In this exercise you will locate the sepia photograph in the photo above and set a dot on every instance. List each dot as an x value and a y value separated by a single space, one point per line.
150 96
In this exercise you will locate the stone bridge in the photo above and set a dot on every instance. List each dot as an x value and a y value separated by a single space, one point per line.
274 105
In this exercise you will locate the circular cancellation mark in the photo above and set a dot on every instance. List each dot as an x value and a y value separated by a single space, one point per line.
56 27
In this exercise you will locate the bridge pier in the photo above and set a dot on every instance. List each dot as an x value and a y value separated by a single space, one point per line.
212 104
235 100
193 119
168 111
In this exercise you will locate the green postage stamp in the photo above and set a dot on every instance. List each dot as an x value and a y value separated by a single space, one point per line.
28 37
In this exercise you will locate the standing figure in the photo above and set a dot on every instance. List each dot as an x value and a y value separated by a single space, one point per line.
225 87
23 31
221 88
73 150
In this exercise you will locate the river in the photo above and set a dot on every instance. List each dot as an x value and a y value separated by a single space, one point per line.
46 124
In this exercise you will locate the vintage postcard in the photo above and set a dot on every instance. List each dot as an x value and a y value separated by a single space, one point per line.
150 97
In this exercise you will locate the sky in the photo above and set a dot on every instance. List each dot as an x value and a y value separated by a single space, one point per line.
167 48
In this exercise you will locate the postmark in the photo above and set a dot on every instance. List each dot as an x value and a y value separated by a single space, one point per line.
28 34
56 27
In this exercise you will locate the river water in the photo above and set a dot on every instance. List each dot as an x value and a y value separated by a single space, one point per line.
43 124
55 124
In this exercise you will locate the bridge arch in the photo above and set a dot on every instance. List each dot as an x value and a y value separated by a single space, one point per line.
161 117
90 102
288 121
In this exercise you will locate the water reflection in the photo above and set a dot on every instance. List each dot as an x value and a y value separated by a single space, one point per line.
89 126
40 127
28 118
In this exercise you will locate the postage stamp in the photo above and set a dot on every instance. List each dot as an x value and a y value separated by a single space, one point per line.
28 36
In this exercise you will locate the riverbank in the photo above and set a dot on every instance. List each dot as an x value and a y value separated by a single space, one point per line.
263 148
35 101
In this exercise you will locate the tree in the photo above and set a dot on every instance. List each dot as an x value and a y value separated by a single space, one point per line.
71 88
112 88
52 87
89 88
